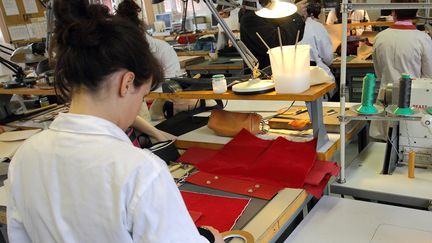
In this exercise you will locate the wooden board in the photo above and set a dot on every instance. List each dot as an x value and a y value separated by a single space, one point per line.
313 93
222 63
330 115
21 19
46 90
189 60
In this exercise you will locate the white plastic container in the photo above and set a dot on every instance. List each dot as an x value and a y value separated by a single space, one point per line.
290 67
219 84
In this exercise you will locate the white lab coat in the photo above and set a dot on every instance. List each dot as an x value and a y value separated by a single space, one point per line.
166 56
399 49
356 16
321 52
83 181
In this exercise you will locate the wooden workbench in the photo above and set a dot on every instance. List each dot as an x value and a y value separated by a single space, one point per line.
205 138
311 94
46 90
223 65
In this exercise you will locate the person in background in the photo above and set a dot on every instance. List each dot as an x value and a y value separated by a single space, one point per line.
165 55
163 52
250 24
400 49
316 35
231 19
82 180
356 16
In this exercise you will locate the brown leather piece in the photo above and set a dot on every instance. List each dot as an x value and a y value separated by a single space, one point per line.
228 123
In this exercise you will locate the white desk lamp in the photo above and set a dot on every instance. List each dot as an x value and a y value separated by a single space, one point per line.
32 53
276 9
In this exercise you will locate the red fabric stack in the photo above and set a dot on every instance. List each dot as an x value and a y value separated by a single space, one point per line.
216 211
265 164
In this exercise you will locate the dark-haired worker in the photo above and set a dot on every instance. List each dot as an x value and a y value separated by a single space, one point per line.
82 180
251 23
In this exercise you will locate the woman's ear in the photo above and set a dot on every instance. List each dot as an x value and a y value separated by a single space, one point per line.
126 83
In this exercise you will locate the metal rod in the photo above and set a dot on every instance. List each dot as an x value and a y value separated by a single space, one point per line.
342 88
194 16
380 118
378 6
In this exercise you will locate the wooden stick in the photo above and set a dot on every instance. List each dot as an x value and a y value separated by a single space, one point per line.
295 49
262 40
411 163
281 49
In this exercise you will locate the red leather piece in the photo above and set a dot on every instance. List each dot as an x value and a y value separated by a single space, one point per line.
285 162
197 155
320 170
237 155
218 212
238 186
318 190
195 215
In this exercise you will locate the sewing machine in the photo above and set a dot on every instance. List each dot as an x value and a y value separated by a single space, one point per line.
417 135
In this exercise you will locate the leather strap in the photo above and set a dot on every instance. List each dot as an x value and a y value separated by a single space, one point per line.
243 187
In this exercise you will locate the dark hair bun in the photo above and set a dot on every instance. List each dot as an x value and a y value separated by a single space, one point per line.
69 11
129 10
81 25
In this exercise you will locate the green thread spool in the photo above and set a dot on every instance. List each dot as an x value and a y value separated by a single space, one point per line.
429 110
404 108
367 99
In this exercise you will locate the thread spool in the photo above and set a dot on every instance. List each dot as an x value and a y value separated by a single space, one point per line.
367 99
411 164
404 96
429 110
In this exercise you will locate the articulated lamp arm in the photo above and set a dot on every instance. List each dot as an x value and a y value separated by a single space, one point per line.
250 60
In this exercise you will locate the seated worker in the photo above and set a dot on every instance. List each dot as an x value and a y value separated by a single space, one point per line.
231 19
163 52
250 24
316 35
356 16
165 55
82 180
400 49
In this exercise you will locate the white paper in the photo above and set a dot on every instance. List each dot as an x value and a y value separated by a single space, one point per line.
11 7
8 149
17 135
30 6
19 32
37 30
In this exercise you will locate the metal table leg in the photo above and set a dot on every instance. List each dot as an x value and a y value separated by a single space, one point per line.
315 109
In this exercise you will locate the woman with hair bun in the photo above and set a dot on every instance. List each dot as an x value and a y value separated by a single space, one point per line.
82 180
163 52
